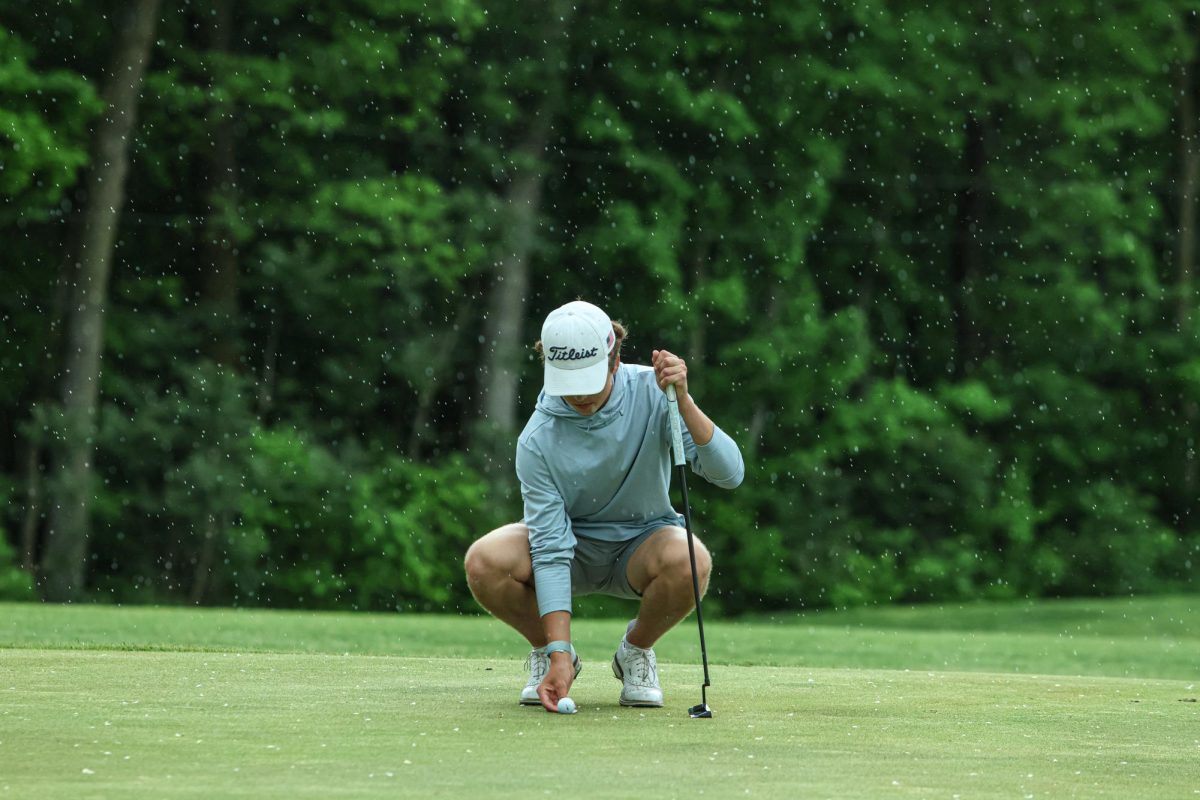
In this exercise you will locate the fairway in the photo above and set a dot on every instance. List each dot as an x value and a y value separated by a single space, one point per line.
131 703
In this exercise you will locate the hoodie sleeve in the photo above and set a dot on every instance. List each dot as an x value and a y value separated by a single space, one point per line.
551 540
719 462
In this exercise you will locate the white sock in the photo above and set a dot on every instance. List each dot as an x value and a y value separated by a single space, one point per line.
625 643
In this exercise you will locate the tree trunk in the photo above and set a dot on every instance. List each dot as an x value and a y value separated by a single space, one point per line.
967 260
266 379
33 507
697 352
442 364
504 330
69 526
763 406
1186 265
219 282
41 394
219 287
214 529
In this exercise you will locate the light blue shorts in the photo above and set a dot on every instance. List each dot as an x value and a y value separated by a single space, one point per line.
600 566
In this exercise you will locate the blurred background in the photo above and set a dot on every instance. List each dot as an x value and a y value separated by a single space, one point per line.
271 274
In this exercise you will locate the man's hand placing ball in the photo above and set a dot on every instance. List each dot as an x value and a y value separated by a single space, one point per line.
557 683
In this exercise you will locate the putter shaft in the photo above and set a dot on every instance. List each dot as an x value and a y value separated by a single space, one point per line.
687 521
701 711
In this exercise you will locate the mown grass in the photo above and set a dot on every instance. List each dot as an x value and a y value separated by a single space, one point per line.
1055 699
1155 637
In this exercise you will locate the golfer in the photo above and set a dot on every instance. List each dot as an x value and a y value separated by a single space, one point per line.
594 466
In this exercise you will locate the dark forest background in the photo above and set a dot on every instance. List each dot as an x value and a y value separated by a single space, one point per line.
271 272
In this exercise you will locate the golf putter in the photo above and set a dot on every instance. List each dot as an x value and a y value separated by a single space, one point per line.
701 711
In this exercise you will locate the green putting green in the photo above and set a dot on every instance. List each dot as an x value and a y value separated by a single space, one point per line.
1053 699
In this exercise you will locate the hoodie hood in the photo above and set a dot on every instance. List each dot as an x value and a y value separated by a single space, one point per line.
612 409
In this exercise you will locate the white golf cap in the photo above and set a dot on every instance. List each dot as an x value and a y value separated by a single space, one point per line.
576 341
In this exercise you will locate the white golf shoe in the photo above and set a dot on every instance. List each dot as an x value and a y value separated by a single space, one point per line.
538 665
637 669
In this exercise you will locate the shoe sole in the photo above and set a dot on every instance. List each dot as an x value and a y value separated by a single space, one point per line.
619 674
537 701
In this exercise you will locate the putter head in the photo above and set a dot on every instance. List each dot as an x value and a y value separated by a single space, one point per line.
701 711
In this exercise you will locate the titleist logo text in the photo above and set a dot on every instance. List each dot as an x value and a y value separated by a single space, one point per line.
570 353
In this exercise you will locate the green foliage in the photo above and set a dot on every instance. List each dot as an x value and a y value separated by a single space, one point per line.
411 524
15 583
362 531
924 264
251 515
43 114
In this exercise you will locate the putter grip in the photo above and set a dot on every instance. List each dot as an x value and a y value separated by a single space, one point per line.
676 425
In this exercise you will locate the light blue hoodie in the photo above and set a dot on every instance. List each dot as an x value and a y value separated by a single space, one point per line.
604 476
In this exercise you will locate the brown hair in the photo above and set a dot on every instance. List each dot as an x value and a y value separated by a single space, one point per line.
618 331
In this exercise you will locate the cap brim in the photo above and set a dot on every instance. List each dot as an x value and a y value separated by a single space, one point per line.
569 382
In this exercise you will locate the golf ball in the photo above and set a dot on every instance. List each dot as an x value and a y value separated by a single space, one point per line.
566 706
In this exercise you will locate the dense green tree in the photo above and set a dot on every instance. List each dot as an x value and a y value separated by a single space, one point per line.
88 264
932 267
